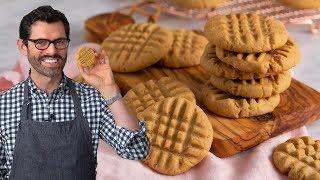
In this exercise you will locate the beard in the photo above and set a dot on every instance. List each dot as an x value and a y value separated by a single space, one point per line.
36 63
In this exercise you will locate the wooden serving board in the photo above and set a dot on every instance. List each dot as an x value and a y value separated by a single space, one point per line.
299 105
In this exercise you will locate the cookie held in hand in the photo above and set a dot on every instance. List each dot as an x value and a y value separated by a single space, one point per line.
85 57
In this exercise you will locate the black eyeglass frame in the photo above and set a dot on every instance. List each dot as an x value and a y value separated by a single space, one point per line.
54 42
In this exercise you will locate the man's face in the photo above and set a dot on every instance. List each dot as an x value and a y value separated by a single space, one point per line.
49 62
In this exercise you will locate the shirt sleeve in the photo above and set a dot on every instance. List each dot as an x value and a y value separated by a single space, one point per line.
128 144
2 158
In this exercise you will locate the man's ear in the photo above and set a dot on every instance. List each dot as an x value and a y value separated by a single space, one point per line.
22 47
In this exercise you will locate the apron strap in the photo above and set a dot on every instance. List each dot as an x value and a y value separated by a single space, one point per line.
25 114
75 98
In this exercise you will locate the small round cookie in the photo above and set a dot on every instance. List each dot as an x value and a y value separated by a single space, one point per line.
254 88
147 93
245 33
302 4
136 46
85 57
180 135
227 105
211 63
98 27
186 49
274 61
198 4
299 158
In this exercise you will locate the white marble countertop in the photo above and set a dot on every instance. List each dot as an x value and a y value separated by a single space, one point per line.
77 11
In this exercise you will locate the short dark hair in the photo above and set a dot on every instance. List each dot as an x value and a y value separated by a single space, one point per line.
42 13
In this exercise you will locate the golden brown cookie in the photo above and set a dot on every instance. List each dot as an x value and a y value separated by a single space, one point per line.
99 27
227 105
274 61
211 63
245 33
89 37
198 4
299 158
186 49
147 93
179 133
302 4
254 88
199 32
136 46
85 57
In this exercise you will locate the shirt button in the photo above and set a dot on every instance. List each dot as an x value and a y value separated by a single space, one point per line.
51 117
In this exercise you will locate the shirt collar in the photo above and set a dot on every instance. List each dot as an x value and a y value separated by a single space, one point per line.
61 88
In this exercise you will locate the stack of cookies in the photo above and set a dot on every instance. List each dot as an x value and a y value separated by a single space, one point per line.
249 57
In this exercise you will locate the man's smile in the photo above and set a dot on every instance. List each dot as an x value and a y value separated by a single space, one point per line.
50 62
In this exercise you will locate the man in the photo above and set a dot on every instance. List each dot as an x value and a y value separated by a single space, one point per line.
50 124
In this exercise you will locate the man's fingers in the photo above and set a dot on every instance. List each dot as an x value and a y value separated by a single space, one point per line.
101 60
106 58
80 69
83 70
87 70
103 52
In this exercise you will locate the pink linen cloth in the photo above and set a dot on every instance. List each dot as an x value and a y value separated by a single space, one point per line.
255 163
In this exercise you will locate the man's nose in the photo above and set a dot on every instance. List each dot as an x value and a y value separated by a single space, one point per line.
51 49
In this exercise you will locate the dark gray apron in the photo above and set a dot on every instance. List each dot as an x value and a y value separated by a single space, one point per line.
53 150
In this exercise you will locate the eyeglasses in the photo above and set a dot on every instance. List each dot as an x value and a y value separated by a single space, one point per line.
43 44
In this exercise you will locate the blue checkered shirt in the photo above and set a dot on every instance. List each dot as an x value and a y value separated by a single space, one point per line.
59 107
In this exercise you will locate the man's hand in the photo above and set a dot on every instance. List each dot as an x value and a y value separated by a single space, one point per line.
100 76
